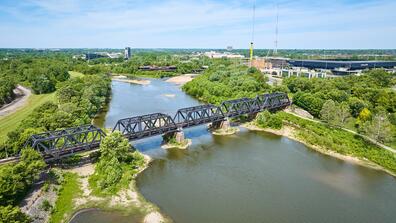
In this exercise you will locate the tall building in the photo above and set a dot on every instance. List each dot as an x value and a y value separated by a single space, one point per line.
127 53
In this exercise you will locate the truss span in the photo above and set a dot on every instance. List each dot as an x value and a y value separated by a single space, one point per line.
198 115
56 144
61 142
273 102
145 126
238 107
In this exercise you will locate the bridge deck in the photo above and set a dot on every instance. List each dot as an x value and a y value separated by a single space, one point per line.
63 142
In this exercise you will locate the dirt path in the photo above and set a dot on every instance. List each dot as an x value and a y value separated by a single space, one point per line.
22 96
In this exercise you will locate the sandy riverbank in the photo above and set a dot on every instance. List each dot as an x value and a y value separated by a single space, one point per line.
122 78
182 79
290 132
125 200
22 95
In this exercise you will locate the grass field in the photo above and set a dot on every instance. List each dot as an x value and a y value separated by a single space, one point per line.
64 204
74 74
10 122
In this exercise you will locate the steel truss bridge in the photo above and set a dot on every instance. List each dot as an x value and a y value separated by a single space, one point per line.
60 143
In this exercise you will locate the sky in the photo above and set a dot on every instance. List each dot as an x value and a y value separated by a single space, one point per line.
306 24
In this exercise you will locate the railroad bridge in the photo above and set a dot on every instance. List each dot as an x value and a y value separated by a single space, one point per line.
59 143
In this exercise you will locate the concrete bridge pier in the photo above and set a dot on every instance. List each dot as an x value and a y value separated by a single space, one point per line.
223 127
223 124
252 116
177 136
175 139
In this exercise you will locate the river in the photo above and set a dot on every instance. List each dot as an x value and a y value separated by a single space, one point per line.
246 177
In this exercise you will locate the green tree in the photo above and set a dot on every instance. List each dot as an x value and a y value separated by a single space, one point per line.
342 113
328 112
10 214
379 128
31 164
15 180
356 105
113 151
41 84
268 120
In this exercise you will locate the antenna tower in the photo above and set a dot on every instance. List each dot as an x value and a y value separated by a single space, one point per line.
276 29
251 43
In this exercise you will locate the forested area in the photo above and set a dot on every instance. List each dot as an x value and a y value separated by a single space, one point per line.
78 100
41 75
225 80
364 103
116 166
15 181
183 64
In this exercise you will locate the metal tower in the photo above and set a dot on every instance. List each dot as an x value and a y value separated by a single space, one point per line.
251 43
276 30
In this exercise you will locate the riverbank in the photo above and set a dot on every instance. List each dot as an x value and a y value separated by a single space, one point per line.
182 79
122 78
292 132
127 201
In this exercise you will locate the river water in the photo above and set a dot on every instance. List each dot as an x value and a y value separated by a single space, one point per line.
246 177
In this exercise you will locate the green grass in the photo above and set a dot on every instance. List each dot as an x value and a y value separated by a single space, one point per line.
69 190
74 74
10 122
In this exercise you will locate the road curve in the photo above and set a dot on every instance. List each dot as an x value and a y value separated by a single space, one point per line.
22 96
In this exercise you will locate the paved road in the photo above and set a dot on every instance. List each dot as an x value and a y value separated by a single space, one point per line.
22 96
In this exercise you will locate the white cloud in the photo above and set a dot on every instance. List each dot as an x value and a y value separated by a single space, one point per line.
115 23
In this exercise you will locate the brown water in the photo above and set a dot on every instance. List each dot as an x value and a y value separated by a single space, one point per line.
247 177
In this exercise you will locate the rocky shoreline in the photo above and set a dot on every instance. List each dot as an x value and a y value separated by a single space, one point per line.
125 200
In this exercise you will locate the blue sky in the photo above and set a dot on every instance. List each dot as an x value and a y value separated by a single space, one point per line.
341 24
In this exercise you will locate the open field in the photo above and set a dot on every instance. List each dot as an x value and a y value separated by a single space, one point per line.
74 74
11 122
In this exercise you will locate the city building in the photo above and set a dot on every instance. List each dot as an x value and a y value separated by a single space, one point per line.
127 53
92 56
96 55
214 54
284 67
342 67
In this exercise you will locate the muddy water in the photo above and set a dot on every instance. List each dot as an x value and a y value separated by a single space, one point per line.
247 177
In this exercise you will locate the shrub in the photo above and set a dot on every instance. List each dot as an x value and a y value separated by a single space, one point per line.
46 205
13 214
269 120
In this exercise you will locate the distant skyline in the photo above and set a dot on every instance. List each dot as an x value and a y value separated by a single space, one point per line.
307 24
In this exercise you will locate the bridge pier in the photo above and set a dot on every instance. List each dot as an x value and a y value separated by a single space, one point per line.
175 139
223 127
252 116
222 124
